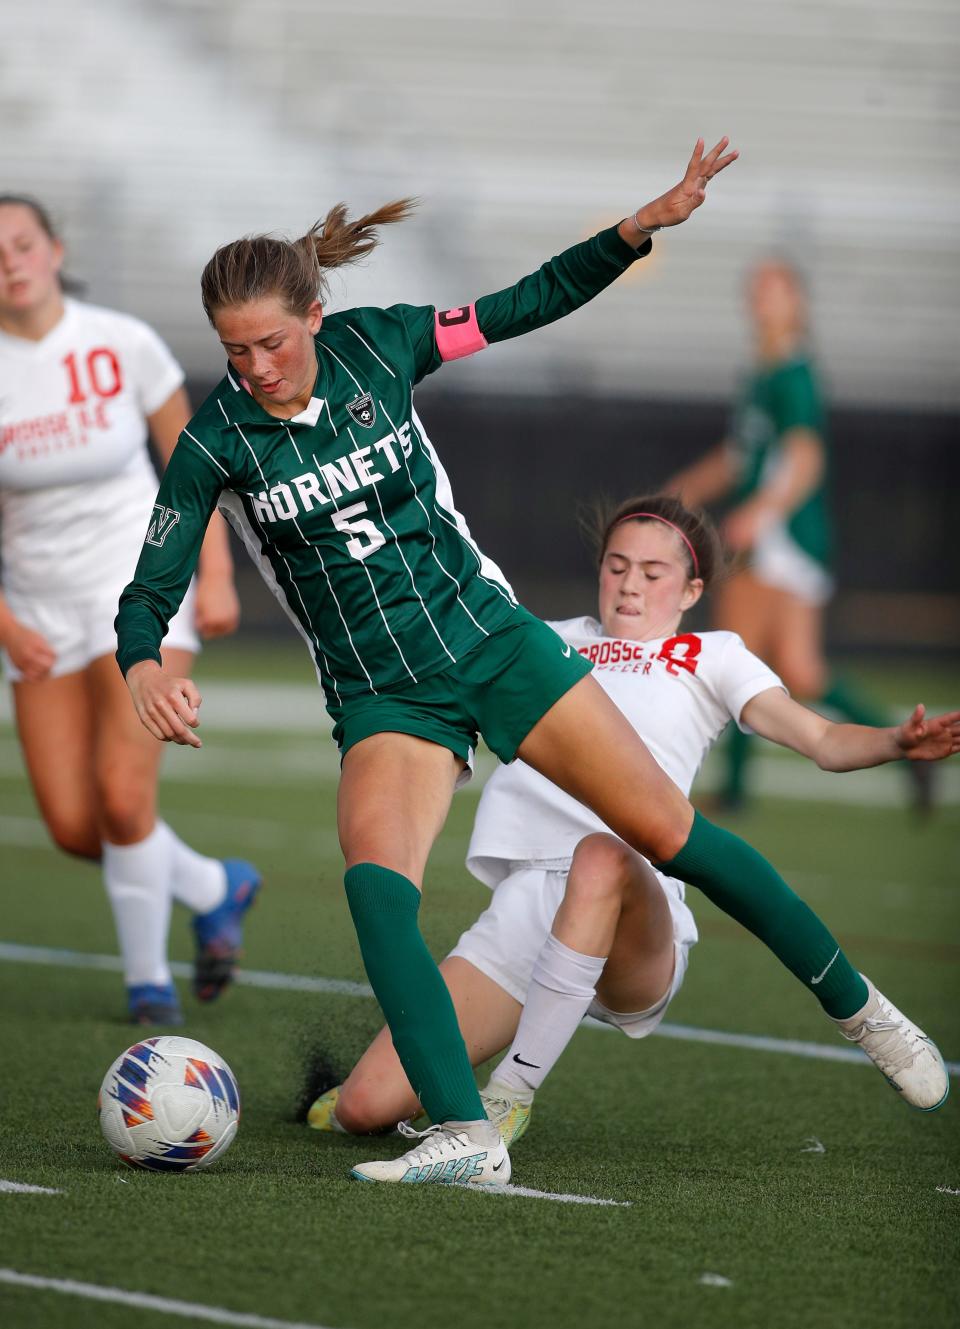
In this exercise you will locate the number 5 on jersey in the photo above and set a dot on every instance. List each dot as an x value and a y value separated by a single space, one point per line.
348 519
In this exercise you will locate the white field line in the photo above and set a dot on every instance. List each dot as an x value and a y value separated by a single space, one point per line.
528 1193
275 766
284 712
188 1310
254 978
22 1188
55 957
266 707
29 832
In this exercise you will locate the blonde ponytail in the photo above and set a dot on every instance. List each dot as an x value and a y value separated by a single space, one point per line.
260 266
338 240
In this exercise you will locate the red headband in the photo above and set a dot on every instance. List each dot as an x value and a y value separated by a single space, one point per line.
654 516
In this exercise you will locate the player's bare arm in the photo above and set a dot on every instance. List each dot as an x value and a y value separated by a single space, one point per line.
217 605
169 707
676 205
798 473
707 479
851 747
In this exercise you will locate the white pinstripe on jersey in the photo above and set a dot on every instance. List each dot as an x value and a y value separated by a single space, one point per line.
423 604
433 538
370 349
363 562
306 542
487 570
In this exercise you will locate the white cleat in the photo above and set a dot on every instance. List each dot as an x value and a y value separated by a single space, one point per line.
909 1060
456 1153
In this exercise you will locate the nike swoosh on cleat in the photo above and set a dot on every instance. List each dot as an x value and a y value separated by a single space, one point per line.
520 1062
498 1166
820 977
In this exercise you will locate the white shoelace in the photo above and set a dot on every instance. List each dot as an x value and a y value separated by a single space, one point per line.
899 1050
496 1108
439 1140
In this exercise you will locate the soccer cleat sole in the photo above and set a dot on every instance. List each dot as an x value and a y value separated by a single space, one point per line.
216 957
447 1185
157 1015
214 970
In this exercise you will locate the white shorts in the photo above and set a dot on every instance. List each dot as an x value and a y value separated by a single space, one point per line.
778 561
81 629
506 939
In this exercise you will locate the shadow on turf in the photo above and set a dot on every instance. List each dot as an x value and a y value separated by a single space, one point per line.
320 1073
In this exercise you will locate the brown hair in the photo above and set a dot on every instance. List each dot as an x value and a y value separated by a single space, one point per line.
68 284
698 532
258 266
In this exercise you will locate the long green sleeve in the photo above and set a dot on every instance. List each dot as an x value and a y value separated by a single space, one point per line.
557 288
185 502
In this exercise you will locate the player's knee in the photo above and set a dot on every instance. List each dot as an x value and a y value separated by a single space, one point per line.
126 815
358 1111
74 835
602 868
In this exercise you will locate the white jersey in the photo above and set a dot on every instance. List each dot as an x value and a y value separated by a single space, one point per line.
76 482
678 693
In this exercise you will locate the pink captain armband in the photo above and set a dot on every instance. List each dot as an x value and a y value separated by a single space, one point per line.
458 333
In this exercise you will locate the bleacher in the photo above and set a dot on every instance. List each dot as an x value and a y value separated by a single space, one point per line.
243 116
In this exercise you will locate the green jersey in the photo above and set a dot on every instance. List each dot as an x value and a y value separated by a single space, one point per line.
346 508
773 401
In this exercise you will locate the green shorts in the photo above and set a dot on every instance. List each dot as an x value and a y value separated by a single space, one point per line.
500 689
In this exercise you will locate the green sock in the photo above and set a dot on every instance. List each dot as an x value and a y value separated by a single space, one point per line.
738 755
847 699
412 993
744 885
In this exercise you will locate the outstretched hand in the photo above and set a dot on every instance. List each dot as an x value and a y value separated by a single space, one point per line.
676 205
920 739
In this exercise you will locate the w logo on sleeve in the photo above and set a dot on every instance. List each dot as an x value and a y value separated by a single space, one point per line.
161 524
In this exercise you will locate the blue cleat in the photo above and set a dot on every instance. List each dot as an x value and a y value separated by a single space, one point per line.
153 1003
219 934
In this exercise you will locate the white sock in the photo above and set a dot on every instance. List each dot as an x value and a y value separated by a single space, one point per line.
562 986
195 880
137 878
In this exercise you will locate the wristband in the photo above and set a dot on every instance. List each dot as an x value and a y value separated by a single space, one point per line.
647 230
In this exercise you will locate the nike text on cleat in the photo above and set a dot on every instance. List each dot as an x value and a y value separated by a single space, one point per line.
905 1056
456 1153
153 1003
219 933
506 1110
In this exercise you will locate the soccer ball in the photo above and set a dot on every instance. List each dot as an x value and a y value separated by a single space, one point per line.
169 1104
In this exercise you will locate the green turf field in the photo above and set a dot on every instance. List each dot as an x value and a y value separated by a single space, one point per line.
752 1187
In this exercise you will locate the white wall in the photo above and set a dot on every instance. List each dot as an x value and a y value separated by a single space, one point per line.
158 130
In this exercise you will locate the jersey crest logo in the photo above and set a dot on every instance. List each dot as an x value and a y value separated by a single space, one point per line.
363 411
161 524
